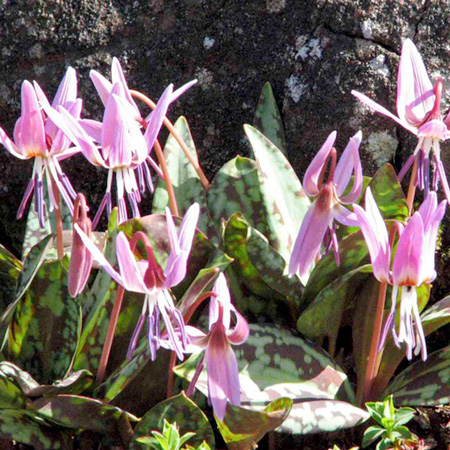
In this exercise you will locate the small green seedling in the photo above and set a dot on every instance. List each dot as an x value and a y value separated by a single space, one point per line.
391 426
170 439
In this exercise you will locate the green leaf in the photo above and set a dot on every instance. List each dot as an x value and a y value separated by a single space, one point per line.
43 333
242 428
186 183
371 435
404 415
77 412
354 254
180 410
10 395
23 427
424 383
268 120
388 194
284 200
236 188
10 268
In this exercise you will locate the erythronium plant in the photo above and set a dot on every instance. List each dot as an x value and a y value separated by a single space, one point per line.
57 324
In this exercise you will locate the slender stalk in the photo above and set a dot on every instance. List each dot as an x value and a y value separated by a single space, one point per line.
365 392
167 182
412 188
110 335
192 159
59 222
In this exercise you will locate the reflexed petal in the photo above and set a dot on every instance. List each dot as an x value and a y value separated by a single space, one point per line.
93 128
102 85
406 265
10 146
117 76
309 239
181 90
415 96
342 215
99 257
30 135
157 117
380 109
347 164
131 275
67 89
188 226
241 330
220 304
311 178
223 375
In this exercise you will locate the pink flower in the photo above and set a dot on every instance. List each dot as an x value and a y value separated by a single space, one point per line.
42 136
413 264
419 111
147 277
221 363
318 223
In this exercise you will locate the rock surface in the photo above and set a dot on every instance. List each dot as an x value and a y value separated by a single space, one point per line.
313 52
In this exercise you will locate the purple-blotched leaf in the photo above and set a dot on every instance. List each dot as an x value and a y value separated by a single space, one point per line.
242 428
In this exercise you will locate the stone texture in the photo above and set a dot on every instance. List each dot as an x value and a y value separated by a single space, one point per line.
313 52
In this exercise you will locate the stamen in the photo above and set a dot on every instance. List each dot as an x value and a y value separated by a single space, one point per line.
26 197
135 336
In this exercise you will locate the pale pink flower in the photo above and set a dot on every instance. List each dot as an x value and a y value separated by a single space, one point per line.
318 223
419 111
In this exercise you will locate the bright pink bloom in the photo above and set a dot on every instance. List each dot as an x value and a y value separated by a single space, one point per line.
419 111
413 264
41 136
147 277
221 363
318 223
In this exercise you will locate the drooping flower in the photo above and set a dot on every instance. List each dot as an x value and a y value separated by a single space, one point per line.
419 111
318 223
221 363
80 258
413 264
42 136
147 277
123 147
154 120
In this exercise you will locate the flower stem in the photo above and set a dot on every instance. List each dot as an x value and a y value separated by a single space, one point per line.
412 188
110 335
365 393
59 223
167 182
192 159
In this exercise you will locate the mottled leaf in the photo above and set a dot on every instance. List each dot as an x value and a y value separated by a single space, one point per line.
77 412
284 200
182 411
268 119
242 428
323 316
10 268
23 427
237 188
186 183
23 379
10 395
43 333
423 383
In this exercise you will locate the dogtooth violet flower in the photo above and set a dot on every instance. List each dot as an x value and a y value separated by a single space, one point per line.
147 277
419 111
104 89
413 264
221 363
123 147
318 223
41 135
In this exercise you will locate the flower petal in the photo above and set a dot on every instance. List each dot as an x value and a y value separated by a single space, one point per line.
415 95
67 89
311 178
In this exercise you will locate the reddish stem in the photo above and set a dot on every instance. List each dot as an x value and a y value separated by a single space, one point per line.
192 159
412 188
110 335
